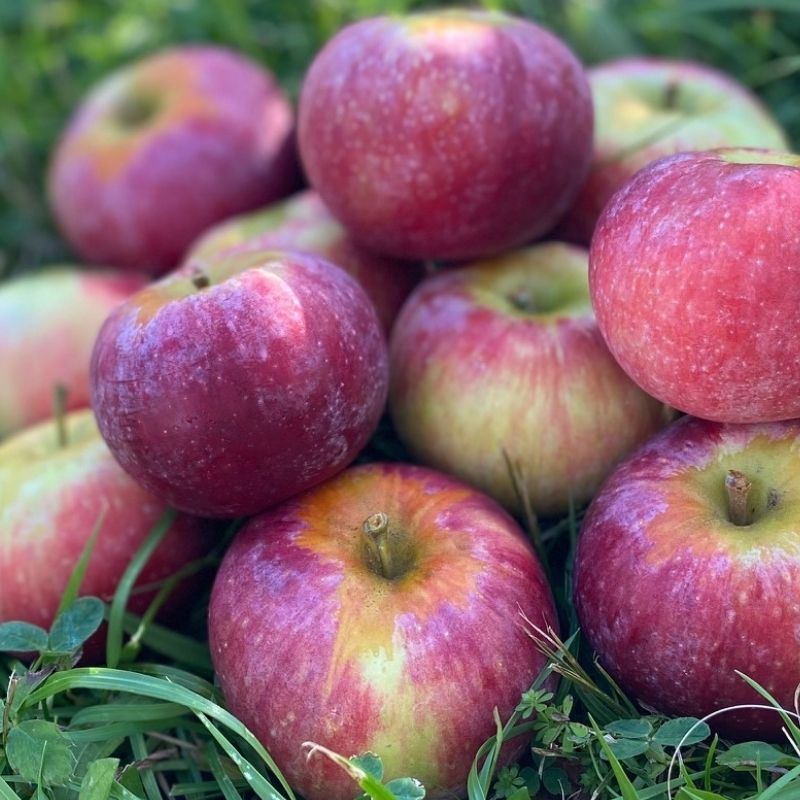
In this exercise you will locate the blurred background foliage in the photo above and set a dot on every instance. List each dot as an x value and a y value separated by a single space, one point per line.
51 51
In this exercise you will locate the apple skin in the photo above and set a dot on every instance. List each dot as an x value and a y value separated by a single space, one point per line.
50 319
695 281
473 377
310 643
51 499
673 596
304 223
646 108
165 147
445 135
228 399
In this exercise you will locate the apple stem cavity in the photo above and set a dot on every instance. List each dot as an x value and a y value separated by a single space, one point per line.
376 530
738 487
60 413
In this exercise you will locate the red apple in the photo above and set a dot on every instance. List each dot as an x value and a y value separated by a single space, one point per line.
646 108
48 323
502 361
52 496
165 147
683 575
304 223
230 390
445 134
379 611
695 279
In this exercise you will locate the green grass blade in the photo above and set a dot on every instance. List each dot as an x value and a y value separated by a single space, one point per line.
120 601
229 791
625 786
127 712
176 646
115 680
73 586
148 779
6 792
776 790
258 783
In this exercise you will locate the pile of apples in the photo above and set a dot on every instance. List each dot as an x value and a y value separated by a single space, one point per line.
378 607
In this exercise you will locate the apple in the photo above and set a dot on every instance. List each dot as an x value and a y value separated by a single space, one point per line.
226 391
445 134
53 494
303 222
646 108
165 147
687 569
378 612
695 281
48 323
501 361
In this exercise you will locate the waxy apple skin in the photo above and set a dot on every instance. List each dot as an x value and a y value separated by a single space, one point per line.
647 108
227 399
48 323
52 499
695 281
445 135
304 223
673 596
475 380
310 643
166 147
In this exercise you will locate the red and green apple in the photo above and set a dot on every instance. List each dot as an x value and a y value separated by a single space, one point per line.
646 108
500 363
687 570
379 612
49 320
695 281
445 134
227 390
165 147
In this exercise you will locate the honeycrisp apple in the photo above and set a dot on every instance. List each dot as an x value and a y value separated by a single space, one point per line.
165 147
48 323
228 390
445 134
695 280
53 494
646 108
687 569
303 222
500 366
380 611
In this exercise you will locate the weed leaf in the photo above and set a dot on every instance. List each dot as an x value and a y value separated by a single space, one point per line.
75 625
630 728
39 752
406 789
98 780
22 637
671 733
370 763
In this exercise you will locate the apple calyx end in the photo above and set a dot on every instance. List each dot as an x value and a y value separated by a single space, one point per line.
738 486
200 280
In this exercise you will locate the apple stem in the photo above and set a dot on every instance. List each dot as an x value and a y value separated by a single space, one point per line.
200 280
671 95
376 528
738 487
60 413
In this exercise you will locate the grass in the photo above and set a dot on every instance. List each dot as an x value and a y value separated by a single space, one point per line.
150 723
